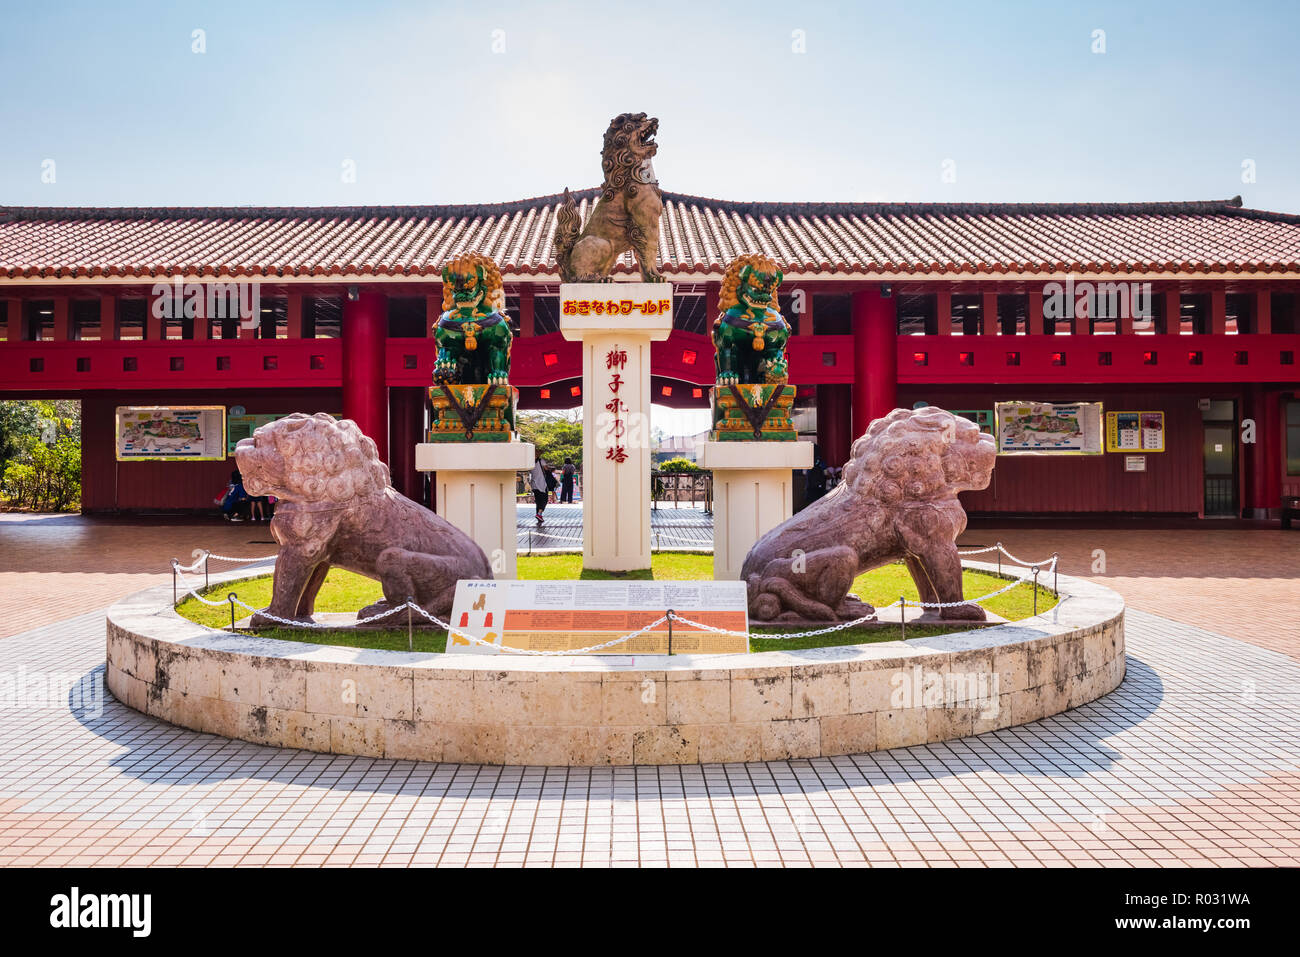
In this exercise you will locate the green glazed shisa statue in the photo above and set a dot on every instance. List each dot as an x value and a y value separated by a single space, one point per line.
472 398
751 400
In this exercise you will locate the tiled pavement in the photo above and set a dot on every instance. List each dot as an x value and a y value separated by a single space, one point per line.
1194 760
683 526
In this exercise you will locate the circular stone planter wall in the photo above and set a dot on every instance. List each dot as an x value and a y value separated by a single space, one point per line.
588 710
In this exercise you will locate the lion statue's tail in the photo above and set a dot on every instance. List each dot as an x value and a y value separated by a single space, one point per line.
567 224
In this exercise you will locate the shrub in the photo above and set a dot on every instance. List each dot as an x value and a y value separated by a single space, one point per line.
679 465
45 477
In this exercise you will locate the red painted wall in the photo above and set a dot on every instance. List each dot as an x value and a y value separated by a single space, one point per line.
108 485
1066 484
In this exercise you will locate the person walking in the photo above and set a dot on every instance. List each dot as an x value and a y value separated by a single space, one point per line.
566 481
538 479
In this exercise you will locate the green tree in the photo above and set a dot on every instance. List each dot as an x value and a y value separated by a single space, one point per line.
19 424
40 453
556 438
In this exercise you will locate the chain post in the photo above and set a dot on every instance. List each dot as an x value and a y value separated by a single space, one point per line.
206 553
902 614
231 598
410 634
999 559
174 582
1035 591
1056 560
670 631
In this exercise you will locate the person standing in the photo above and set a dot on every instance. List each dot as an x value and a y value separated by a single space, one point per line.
815 481
566 481
540 491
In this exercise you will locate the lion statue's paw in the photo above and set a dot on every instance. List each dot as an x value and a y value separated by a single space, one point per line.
395 614
852 608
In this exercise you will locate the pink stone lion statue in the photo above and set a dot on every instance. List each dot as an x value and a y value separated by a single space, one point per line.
898 501
337 507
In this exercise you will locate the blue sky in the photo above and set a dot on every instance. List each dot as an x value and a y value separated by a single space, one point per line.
412 93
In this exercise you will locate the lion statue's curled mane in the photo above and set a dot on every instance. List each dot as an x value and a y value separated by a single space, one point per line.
626 217
336 506
729 293
898 501
467 262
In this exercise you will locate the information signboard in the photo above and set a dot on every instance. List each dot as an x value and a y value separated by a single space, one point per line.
1135 431
189 433
565 614
1072 428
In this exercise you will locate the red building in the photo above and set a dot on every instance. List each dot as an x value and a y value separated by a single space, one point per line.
1189 309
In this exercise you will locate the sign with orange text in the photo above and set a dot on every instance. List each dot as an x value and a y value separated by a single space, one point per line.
564 615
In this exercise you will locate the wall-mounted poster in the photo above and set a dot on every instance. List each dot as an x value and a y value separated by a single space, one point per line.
243 426
981 417
1026 427
1135 431
193 433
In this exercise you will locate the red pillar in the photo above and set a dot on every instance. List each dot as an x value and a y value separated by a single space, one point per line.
1263 456
1034 315
365 394
989 314
155 326
1218 311
834 432
875 357
62 319
108 317
1173 312
943 312
293 316
406 428
15 319
1263 312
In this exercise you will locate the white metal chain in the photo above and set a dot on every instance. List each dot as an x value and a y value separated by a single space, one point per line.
1049 562
198 562
532 651
233 599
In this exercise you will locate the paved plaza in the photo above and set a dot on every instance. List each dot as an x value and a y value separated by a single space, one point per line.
1194 760
681 526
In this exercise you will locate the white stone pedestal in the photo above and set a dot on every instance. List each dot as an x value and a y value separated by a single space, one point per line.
616 413
752 494
475 491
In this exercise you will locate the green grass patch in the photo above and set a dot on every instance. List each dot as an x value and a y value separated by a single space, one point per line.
345 591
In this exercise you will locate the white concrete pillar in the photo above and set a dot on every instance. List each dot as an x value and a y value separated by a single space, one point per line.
616 323
475 491
752 494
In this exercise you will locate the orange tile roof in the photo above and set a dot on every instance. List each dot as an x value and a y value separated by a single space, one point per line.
697 236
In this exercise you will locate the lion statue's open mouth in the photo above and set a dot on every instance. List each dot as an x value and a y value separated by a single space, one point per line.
627 215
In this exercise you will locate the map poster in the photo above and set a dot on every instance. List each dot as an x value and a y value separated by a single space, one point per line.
1050 427
565 614
1135 431
193 433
